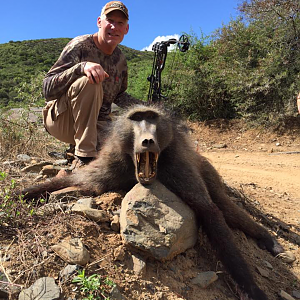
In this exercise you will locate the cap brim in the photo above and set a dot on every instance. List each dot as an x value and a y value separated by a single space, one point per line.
107 11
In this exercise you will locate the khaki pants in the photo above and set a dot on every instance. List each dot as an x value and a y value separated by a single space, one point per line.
73 117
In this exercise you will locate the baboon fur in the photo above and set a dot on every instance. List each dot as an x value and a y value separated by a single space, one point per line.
182 170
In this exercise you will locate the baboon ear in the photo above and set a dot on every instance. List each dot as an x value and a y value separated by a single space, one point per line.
143 115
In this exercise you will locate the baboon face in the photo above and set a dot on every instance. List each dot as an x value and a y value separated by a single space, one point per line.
152 133
145 145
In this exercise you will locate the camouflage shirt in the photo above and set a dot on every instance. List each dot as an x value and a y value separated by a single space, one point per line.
70 66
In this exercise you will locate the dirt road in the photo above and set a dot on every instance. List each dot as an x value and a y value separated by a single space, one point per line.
264 164
279 172
272 179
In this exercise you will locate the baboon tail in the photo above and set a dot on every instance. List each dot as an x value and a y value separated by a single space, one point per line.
41 190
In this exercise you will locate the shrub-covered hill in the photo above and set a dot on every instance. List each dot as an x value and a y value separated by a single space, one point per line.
20 61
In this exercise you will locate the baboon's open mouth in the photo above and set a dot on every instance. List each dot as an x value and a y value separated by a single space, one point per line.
146 166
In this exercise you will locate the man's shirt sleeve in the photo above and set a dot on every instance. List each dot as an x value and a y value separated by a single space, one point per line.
64 72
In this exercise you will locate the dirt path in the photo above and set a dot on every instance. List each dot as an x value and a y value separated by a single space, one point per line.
273 180
280 172
264 164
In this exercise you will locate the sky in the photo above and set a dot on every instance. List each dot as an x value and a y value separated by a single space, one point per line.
149 20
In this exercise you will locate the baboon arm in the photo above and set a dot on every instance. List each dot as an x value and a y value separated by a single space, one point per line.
110 172
235 216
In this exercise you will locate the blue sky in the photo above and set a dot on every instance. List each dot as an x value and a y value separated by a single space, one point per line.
149 19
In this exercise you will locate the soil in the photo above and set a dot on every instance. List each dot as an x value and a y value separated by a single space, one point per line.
262 167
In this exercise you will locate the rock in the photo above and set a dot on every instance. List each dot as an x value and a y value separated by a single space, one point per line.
72 252
268 265
67 272
139 265
296 294
57 155
115 223
35 168
205 279
43 289
119 253
287 256
109 198
90 213
86 201
219 146
262 272
116 294
50 170
285 296
50 208
60 162
23 157
64 195
156 221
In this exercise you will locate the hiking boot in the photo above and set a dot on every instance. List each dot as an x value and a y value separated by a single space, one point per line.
80 162
77 163
70 153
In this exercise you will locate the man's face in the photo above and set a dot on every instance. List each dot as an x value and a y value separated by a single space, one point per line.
113 27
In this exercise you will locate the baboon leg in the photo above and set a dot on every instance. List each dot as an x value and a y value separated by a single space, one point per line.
235 216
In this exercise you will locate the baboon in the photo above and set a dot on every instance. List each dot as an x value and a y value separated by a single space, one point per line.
145 144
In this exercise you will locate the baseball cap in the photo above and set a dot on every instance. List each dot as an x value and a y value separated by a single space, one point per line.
115 5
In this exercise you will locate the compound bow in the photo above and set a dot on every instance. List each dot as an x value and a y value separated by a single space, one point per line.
160 50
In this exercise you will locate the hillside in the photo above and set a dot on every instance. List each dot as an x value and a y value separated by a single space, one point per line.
21 61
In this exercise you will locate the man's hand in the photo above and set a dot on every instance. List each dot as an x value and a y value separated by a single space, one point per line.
94 72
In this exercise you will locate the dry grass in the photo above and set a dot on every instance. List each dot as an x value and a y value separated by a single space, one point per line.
18 134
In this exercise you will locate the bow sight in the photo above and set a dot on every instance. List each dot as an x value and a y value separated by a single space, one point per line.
160 50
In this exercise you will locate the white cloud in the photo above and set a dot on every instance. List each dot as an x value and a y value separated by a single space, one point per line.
160 39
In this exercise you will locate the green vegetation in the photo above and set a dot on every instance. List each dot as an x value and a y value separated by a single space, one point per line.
249 68
14 210
93 287
20 62
24 64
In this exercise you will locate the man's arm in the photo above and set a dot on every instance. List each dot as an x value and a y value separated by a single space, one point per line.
60 77
298 102
69 67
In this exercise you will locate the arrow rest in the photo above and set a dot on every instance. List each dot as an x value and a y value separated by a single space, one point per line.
160 50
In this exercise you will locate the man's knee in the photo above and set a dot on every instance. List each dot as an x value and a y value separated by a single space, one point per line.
83 86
